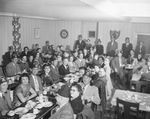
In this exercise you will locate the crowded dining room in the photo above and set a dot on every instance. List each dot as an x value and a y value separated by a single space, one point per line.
75 59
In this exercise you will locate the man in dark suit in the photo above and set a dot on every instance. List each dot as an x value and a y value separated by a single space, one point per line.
54 70
126 47
64 68
80 44
64 109
112 46
140 49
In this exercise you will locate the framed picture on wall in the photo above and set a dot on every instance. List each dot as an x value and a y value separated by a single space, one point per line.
91 34
36 33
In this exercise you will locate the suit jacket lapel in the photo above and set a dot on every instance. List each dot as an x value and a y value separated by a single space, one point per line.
59 112
7 96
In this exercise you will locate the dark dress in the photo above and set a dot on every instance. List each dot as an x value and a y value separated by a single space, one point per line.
77 105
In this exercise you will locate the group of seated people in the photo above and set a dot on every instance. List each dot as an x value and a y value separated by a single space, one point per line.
39 68
38 71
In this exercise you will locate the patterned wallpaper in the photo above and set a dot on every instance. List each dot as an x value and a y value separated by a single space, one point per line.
50 30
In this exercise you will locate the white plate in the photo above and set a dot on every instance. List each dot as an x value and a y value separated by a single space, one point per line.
47 104
21 110
28 116
39 106
11 113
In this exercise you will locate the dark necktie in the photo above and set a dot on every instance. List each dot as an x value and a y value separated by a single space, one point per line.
3 96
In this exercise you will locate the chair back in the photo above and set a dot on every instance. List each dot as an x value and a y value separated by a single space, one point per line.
139 86
86 113
127 110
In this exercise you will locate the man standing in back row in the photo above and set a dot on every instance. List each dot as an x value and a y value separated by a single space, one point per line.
80 44
126 47
112 46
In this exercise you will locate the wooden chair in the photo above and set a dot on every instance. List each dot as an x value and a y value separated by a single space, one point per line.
127 110
139 86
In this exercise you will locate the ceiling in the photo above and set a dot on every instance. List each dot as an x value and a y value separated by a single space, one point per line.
83 10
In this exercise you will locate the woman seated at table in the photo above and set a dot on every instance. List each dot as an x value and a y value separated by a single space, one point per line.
46 77
82 71
145 68
5 97
71 64
38 60
80 62
75 99
131 59
24 91
140 64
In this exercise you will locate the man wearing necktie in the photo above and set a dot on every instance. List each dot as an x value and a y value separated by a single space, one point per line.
112 46
54 70
35 81
64 68
126 48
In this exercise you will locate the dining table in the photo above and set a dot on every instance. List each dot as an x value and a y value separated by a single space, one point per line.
142 98
42 111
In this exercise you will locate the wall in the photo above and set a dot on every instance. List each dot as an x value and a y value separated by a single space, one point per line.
123 27
50 30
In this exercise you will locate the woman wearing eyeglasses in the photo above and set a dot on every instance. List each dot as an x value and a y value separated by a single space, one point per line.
75 100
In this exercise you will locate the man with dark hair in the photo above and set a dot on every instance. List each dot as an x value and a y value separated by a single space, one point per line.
140 49
25 52
112 46
99 48
80 44
64 68
126 48
54 70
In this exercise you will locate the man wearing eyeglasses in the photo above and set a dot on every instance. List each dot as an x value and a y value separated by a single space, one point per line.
64 109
